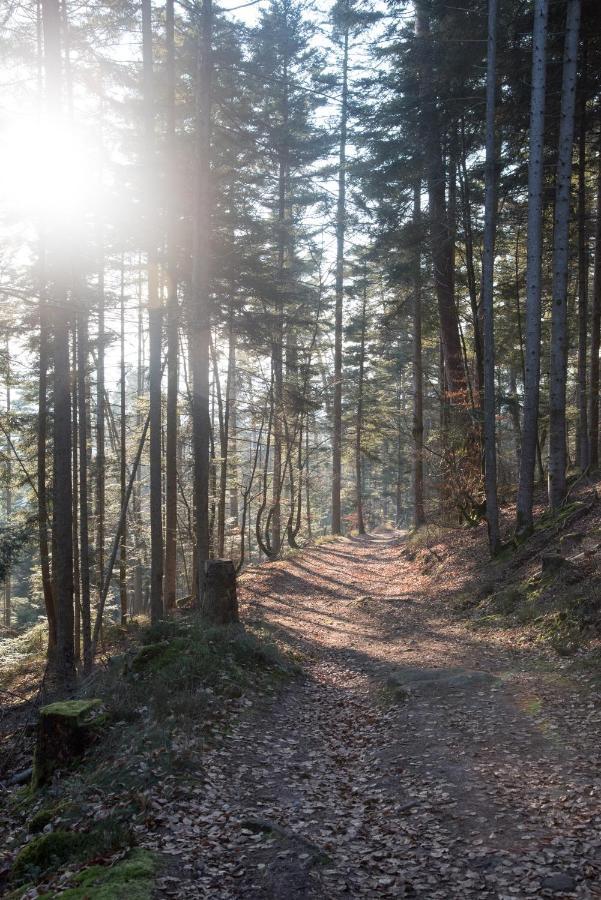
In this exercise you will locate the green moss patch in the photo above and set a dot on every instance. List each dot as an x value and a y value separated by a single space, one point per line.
49 852
45 815
131 878
71 709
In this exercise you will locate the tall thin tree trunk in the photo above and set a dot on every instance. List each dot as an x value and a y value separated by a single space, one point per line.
233 454
559 316
339 296
137 499
278 340
488 264
100 419
122 458
223 473
84 537
199 324
417 430
154 333
75 497
42 491
8 497
359 420
582 435
440 238
61 659
595 333
172 328
533 269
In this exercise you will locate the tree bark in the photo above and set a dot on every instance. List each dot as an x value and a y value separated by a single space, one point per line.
359 421
583 262
417 430
559 317
122 458
440 238
42 493
199 319
61 660
100 420
8 499
75 497
219 604
339 296
488 263
170 584
595 334
154 333
84 536
533 269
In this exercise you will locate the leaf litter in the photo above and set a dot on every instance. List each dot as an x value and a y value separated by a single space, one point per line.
338 788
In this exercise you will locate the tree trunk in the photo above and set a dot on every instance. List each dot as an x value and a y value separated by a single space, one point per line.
199 320
339 299
470 268
225 443
8 498
84 536
75 498
533 269
61 660
488 263
122 460
417 431
154 333
559 316
275 540
233 453
42 432
440 238
582 454
359 421
172 326
100 423
595 334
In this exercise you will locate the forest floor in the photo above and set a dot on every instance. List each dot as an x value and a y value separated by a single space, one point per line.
441 740
417 756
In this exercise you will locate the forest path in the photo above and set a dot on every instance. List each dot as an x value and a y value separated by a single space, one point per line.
414 758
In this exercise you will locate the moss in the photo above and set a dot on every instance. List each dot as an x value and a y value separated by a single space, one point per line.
45 816
46 852
132 877
550 518
49 852
150 656
71 709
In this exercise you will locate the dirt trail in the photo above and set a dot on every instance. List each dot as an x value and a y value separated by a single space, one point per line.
414 758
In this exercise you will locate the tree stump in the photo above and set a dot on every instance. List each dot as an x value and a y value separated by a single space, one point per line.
65 731
219 600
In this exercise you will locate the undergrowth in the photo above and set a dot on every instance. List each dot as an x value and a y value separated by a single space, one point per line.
166 697
558 613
